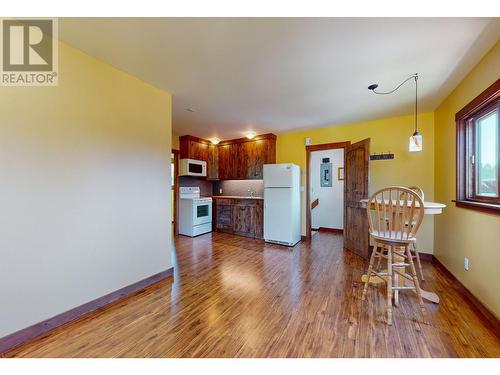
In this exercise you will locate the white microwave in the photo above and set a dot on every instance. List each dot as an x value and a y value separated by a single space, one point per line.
191 167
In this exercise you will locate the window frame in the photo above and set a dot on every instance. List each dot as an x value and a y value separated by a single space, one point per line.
466 144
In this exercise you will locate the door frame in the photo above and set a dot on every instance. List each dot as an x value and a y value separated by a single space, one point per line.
309 149
176 191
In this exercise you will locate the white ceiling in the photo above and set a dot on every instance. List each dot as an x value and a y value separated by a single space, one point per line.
282 74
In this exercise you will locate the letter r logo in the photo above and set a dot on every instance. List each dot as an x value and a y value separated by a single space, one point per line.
27 45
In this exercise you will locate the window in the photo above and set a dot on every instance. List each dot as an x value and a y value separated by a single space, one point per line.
478 152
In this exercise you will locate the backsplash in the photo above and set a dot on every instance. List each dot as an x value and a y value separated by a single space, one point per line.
239 187
205 186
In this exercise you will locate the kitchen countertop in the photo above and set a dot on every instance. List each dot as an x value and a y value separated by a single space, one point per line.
235 197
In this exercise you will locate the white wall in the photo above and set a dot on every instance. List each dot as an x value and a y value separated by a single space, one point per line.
84 192
330 211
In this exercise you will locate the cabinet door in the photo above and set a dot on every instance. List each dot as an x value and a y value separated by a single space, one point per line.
227 162
259 220
243 166
224 217
198 151
213 163
243 220
251 157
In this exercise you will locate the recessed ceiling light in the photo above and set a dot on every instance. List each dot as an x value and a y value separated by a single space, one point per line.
190 110
215 140
250 134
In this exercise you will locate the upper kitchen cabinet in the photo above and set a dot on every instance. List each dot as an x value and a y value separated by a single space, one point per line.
254 154
244 159
235 159
194 148
213 163
227 161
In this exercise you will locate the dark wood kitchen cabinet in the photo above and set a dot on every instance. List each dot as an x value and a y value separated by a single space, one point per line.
235 159
227 161
244 217
223 215
213 163
252 156
194 148
244 159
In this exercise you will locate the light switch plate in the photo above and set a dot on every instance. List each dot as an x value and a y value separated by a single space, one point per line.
466 264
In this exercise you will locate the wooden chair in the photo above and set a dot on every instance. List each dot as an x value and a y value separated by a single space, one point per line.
390 210
415 254
414 248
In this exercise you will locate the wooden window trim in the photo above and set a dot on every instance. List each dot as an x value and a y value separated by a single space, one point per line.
484 102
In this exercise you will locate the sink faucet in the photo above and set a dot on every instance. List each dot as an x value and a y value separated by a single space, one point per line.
252 192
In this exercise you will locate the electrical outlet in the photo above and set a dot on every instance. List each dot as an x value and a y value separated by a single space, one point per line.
466 264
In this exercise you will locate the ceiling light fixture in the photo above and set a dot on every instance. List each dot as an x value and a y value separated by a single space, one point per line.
190 110
215 140
250 134
415 142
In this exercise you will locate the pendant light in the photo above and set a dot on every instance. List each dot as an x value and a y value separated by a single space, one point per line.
415 142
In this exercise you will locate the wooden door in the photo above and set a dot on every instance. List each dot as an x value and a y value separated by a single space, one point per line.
356 182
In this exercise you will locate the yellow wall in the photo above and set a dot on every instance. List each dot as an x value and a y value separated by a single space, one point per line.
85 204
175 141
461 232
387 135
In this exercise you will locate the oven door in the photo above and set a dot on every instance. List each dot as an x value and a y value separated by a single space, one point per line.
202 213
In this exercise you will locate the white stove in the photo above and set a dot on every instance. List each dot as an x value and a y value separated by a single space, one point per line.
195 212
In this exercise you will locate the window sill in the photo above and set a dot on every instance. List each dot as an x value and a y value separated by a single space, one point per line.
478 206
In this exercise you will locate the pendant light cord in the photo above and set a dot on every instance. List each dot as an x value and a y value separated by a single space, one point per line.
416 103
415 76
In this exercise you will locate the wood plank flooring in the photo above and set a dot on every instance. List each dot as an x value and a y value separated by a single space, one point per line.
237 297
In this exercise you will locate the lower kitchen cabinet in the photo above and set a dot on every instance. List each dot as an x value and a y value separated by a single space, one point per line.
239 216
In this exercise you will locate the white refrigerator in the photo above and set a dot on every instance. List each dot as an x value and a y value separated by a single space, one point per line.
282 203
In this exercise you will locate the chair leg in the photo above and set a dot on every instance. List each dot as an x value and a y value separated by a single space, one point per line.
389 286
417 286
418 261
379 260
369 273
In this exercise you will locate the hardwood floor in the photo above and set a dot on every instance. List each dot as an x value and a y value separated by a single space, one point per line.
238 297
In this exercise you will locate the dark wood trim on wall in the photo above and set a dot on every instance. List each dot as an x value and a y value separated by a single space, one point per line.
489 317
330 230
27 334
309 149
464 192
176 191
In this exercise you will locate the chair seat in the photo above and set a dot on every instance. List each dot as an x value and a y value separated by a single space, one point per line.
393 236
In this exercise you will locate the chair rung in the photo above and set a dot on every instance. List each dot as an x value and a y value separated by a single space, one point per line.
403 288
400 264
380 273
